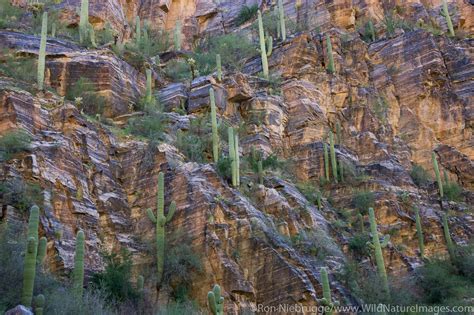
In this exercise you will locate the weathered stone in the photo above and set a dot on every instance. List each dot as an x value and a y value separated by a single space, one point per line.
19 310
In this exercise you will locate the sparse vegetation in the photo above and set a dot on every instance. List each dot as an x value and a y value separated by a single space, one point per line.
247 13
150 126
20 194
85 95
13 142
363 200
420 176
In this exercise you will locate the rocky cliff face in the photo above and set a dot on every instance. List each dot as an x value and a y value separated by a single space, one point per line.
396 100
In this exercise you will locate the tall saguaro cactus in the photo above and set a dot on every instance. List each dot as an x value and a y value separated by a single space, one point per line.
42 51
177 35
419 232
326 300
447 236
446 15
263 49
160 220
84 21
78 273
149 98
326 161
237 157
216 301
29 269
281 13
138 31
219 67
378 251
333 156
331 69
260 171
438 176
215 134
230 133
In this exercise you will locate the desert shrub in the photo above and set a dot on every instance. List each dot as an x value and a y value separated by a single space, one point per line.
178 70
11 260
90 101
9 14
179 308
20 195
358 244
310 192
18 67
270 162
271 22
442 283
196 142
420 176
452 191
224 168
247 13
151 126
114 281
363 200
13 142
234 49
181 265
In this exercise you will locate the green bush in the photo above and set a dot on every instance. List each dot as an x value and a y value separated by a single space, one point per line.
18 67
91 102
196 143
247 13
151 126
310 192
20 195
363 200
181 265
452 191
13 142
442 283
234 49
358 244
420 176
224 168
178 70
9 15
114 281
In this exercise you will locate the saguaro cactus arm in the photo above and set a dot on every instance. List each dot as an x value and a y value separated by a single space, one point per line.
84 20
333 156
326 161
216 301
446 15
219 67
39 304
42 246
330 68
230 133
281 12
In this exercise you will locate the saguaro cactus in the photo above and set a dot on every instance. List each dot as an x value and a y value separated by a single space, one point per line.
269 45
446 15
43 242
263 50
177 35
260 171
53 30
360 218
447 236
378 251
281 12
39 304
438 176
140 283
78 272
230 133
33 223
216 301
333 156
326 161
149 99
419 232
330 68
215 134
160 220
326 300
237 157
341 170
29 272
84 21
42 51
219 67
138 31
